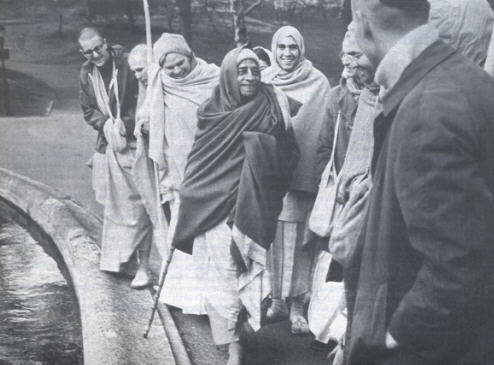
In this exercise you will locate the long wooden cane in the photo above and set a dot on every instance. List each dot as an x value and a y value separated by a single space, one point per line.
166 263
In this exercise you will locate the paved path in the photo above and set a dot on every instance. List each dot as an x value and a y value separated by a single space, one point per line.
55 149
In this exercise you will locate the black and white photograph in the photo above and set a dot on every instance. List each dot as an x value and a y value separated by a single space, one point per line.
246 182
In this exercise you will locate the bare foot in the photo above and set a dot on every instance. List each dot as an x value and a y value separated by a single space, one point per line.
235 354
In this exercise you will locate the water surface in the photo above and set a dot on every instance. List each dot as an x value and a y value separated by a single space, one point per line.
39 318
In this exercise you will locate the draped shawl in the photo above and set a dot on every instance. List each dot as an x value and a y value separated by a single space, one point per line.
181 97
310 87
220 182
171 106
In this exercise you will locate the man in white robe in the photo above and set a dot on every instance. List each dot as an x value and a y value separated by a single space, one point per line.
179 83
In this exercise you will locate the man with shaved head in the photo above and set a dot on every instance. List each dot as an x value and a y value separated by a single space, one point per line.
421 285
108 96
138 63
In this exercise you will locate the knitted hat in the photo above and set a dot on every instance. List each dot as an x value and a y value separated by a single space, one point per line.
170 43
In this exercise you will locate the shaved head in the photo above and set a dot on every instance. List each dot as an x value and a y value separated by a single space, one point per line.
138 54
88 33
381 23
138 63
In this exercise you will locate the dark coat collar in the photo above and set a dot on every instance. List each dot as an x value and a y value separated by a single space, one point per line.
416 71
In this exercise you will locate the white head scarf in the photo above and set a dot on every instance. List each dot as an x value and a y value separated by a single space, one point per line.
288 31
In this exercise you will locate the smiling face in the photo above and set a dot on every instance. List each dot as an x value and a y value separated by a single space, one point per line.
365 70
287 54
177 65
249 78
95 49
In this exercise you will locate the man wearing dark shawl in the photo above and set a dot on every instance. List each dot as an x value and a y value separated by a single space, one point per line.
236 176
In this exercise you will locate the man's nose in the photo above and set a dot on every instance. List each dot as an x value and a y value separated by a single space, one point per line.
249 75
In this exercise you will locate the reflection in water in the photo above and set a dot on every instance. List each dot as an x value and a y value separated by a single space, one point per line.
39 319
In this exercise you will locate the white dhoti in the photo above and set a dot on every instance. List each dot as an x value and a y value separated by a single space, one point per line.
98 176
187 275
221 290
224 290
126 225
290 264
326 309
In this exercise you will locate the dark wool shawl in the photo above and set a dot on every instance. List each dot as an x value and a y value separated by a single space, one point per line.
240 165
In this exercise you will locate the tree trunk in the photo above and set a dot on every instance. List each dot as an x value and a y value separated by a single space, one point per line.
186 14
239 27
239 12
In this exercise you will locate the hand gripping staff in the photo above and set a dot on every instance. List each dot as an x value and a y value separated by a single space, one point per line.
166 263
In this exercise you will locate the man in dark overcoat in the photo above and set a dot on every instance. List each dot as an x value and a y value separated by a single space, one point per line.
422 282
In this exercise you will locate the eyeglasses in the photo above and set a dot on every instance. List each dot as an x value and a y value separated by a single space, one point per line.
89 53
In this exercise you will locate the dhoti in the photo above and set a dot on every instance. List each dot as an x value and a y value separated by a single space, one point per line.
222 298
225 290
290 264
187 275
126 225
326 309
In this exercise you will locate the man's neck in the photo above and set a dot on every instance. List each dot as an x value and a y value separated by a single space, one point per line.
402 53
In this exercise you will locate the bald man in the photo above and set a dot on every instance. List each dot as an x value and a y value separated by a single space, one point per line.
422 283
108 96
138 63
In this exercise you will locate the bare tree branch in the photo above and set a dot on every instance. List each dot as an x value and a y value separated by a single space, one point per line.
252 7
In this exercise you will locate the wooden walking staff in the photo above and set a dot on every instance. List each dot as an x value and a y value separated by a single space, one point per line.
166 263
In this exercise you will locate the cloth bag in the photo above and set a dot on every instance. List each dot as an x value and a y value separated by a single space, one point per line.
354 181
325 207
114 128
347 224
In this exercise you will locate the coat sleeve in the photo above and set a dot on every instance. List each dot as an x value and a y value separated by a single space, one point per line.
447 207
90 111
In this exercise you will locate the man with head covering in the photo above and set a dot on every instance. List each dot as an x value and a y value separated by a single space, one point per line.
108 93
422 280
236 175
179 83
343 101
290 263
353 109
